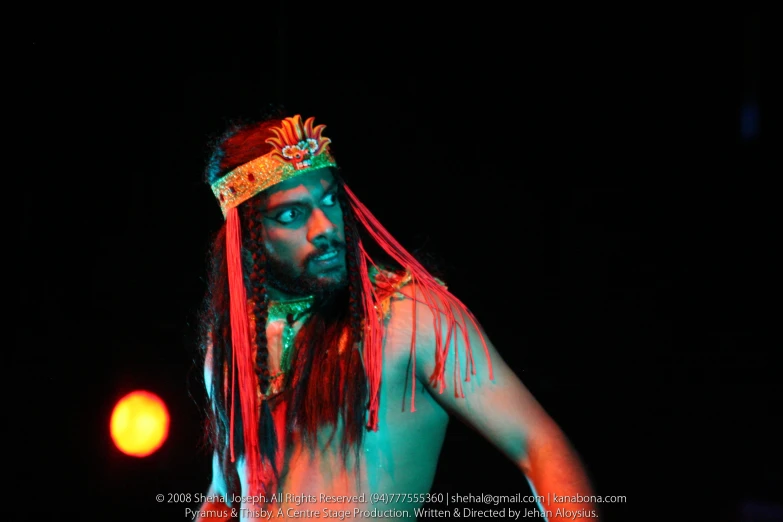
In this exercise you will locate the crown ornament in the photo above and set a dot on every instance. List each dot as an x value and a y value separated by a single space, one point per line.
298 148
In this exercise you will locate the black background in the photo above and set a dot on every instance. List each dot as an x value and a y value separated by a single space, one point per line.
582 178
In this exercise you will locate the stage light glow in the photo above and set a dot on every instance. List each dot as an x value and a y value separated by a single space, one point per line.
139 423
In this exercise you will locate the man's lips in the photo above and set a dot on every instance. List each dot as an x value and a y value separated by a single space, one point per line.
331 257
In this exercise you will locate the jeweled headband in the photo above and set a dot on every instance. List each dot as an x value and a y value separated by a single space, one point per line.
298 148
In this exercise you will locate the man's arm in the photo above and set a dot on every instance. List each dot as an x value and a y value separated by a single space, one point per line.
213 509
503 411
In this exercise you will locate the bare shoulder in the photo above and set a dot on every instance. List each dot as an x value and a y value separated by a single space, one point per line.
416 306
444 332
460 366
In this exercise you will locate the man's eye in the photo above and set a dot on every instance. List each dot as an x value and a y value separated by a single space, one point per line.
287 216
330 199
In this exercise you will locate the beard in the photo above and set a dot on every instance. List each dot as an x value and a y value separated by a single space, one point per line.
286 278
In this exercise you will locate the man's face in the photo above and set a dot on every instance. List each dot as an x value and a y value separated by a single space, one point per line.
303 235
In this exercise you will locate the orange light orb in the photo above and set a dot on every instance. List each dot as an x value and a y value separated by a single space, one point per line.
139 423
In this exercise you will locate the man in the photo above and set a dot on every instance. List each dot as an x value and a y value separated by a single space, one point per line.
331 376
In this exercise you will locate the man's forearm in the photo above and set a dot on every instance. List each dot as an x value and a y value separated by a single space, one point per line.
558 477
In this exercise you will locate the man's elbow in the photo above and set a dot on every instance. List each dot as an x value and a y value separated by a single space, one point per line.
551 458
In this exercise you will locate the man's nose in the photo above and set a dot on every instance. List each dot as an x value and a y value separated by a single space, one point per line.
321 228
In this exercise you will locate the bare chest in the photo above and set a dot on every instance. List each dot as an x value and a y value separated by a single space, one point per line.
401 456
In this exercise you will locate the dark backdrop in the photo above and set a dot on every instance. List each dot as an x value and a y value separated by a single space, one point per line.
591 185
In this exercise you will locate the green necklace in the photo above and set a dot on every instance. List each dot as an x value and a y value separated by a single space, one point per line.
289 311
